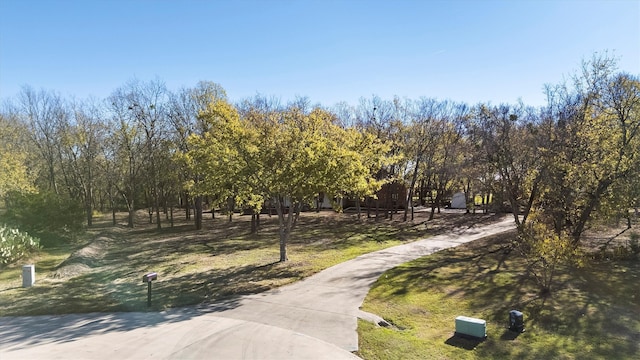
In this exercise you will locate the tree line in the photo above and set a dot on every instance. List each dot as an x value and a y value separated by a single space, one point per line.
556 167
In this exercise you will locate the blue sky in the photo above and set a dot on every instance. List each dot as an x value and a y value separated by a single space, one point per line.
330 51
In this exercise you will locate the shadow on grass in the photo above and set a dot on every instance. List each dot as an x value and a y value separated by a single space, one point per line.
464 342
509 335
593 307
123 290
210 292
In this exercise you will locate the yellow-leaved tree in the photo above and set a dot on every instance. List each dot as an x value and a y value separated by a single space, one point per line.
14 174
283 156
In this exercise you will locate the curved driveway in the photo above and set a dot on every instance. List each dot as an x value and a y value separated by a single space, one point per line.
315 318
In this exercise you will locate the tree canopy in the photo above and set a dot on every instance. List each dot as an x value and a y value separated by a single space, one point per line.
560 165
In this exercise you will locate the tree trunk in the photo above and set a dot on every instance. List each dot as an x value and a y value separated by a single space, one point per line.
230 207
113 214
593 202
198 212
297 208
414 177
358 207
467 196
89 212
285 227
435 204
433 211
156 201
254 227
187 207
131 209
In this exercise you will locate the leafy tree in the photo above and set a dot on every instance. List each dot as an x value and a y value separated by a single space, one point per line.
184 112
215 154
545 250
287 157
596 144
14 171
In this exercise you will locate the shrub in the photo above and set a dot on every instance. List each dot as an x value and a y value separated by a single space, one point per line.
14 244
545 251
44 214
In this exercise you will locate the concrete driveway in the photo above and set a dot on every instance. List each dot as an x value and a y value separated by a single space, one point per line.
315 318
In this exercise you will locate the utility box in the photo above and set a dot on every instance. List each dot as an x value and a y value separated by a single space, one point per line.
28 275
516 321
471 327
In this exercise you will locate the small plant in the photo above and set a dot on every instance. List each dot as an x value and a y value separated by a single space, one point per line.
14 244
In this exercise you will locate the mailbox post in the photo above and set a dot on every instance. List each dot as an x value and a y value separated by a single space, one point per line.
148 278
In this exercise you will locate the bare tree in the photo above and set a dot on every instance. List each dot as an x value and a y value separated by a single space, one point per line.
42 112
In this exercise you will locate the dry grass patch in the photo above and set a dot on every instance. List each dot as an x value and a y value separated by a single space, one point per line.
197 266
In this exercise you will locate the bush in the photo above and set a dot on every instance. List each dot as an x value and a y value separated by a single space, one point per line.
44 214
14 244
545 251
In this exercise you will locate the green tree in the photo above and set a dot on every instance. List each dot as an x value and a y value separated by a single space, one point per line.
215 154
14 172
286 157
184 110
596 144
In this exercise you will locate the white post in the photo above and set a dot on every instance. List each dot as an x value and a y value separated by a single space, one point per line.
28 275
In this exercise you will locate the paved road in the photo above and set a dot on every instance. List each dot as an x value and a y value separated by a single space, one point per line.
312 319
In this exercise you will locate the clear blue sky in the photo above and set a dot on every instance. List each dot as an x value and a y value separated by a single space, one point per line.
328 50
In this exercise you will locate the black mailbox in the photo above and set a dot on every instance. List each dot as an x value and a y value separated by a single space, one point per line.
149 277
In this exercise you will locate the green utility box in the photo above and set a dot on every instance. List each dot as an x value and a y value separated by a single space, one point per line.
471 327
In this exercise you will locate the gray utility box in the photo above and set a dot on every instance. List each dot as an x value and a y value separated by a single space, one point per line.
471 327
28 275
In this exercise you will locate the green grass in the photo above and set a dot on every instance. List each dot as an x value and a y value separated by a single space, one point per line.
221 261
592 312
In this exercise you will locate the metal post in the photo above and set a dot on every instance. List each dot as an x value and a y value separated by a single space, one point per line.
149 294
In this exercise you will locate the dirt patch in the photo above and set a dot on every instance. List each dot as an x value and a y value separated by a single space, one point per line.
609 237
83 260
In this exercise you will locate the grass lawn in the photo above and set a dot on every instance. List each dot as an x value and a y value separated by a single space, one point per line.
592 313
103 272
